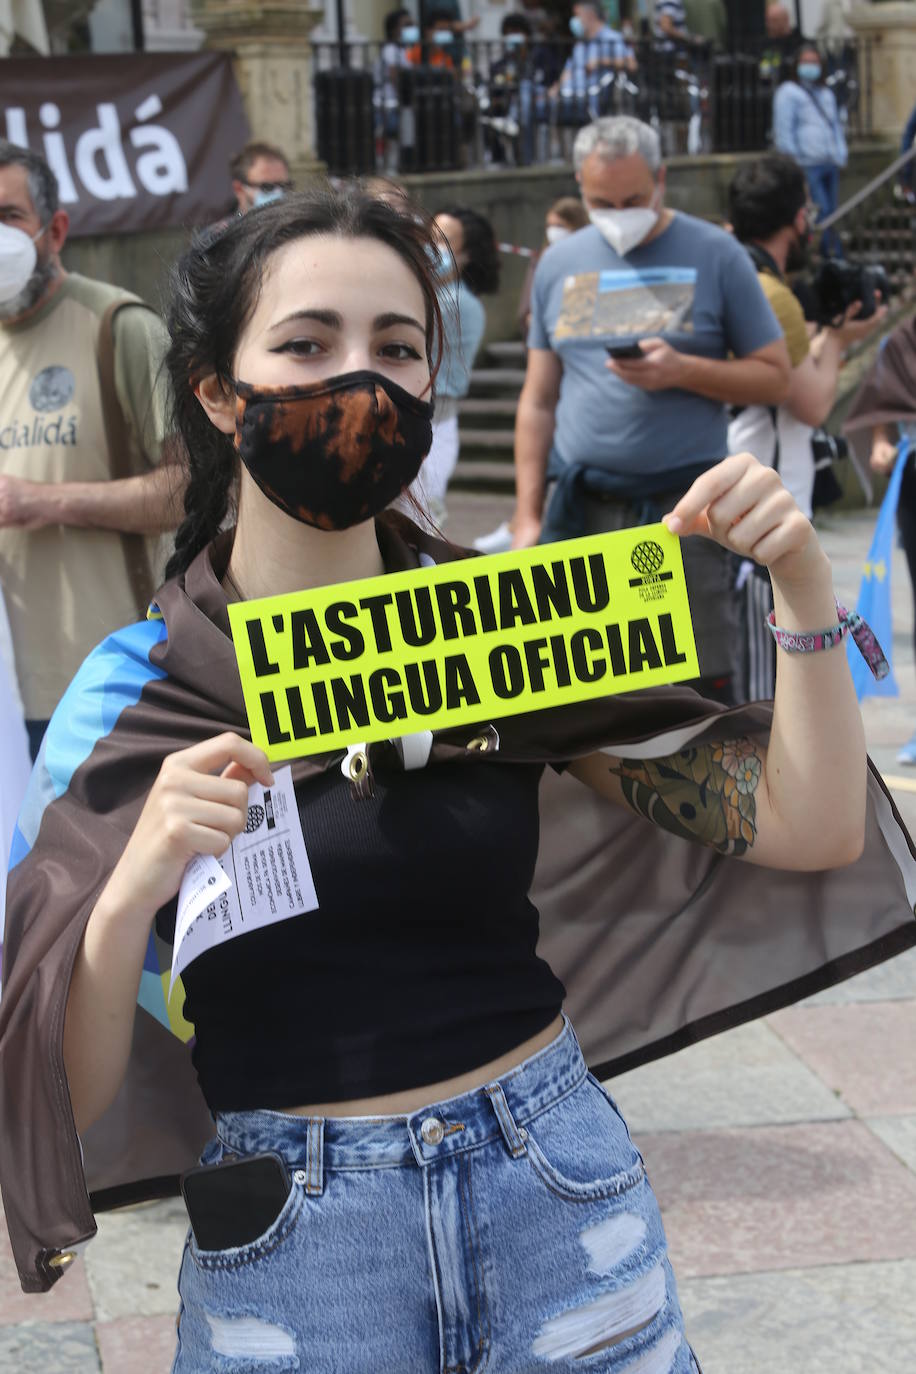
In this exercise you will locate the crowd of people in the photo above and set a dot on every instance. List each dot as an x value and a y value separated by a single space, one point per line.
293 424
525 88
726 362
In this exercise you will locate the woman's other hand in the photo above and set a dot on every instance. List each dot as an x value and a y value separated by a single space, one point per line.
744 506
197 805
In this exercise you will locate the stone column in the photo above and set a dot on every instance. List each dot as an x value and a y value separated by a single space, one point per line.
274 65
22 19
889 29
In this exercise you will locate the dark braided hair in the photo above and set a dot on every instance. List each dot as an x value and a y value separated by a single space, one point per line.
214 289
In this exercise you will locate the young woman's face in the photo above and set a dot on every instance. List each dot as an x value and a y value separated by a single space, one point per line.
332 305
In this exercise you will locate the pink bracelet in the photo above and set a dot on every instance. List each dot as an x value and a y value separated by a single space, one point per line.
812 642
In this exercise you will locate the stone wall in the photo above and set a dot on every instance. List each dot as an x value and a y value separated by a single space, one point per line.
514 199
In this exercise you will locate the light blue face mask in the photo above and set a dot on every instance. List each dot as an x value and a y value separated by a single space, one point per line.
809 71
410 33
443 37
513 40
576 27
268 197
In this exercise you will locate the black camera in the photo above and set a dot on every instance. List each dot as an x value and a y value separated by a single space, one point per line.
828 448
837 284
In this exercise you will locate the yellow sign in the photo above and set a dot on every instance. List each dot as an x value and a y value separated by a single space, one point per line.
464 642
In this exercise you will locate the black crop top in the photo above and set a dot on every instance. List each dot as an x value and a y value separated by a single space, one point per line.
419 963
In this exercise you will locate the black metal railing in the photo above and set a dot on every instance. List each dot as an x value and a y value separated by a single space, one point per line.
877 226
386 108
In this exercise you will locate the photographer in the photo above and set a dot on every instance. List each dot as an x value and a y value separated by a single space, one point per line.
771 216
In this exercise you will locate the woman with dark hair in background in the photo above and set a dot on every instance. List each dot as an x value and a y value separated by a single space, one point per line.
468 268
409 1166
564 217
807 126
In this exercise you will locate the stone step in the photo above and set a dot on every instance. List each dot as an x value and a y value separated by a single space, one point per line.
507 352
492 408
487 439
483 476
506 378
876 250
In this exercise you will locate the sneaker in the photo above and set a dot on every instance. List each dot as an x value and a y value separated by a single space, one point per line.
500 541
908 752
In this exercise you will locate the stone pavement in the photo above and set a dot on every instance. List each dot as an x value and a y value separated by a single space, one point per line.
783 1154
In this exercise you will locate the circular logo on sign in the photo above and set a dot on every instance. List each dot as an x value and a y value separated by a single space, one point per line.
647 558
255 819
52 389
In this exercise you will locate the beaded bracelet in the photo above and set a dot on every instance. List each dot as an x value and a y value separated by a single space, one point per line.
812 642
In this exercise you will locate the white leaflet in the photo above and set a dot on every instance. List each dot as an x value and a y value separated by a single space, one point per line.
265 876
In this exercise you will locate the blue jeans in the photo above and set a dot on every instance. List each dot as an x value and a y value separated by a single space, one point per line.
510 1229
824 185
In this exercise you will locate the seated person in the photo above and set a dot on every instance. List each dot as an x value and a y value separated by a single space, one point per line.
400 32
599 52
782 42
438 37
514 85
670 25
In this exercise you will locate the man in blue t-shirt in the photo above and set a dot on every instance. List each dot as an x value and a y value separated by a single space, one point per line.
624 437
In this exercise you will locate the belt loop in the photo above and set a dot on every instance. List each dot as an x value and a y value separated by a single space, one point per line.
513 1136
314 1157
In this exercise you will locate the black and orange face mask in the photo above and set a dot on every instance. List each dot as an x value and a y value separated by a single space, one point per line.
334 453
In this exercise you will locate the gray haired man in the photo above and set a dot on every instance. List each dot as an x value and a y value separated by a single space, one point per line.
677 305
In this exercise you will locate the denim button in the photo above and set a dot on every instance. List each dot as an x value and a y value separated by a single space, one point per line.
432 1130
300 1176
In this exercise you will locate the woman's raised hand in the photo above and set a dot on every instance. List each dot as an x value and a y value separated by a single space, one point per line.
197 805
744 506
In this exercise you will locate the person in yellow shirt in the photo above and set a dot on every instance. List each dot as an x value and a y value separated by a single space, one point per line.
771 214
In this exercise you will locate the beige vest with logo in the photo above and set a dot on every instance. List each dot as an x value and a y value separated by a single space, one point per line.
65 588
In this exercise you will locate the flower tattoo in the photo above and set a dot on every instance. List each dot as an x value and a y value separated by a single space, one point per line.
704 793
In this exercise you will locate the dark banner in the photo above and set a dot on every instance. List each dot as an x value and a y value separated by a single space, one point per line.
136 141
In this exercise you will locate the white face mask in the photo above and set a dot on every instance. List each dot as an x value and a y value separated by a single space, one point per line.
17 261
624 230
555 232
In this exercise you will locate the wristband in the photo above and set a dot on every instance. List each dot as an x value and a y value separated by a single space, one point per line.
812 642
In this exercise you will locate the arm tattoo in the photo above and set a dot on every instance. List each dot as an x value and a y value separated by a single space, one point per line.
704 794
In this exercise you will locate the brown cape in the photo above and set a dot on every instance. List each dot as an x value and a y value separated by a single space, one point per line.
659 941
887 394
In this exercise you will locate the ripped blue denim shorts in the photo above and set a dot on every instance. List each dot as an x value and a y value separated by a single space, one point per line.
511 1229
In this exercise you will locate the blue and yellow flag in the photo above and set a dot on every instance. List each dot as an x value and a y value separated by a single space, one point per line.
874 603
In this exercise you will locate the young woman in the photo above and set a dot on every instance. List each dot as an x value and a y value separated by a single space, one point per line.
461 1192
564 217
468 268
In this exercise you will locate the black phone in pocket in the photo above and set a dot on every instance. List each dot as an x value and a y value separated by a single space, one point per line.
629 350
233 1203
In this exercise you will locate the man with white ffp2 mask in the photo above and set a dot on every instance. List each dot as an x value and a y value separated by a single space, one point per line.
624 437
81 481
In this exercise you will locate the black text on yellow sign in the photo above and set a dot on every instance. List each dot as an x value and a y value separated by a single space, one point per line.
464 642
